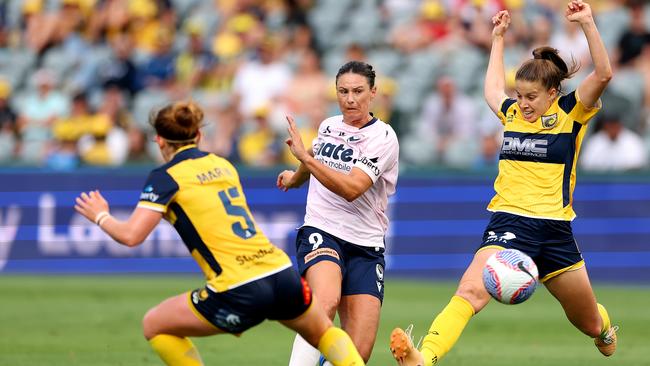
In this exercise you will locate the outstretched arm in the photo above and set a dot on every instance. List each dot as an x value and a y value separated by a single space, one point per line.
592 87
349 186
131 232
495 79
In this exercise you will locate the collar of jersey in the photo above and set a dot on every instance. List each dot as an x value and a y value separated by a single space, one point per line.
186 147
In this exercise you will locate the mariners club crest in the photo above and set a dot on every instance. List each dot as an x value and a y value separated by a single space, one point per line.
549 121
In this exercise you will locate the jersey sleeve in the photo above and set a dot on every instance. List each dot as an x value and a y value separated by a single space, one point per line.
503 109
158 191
573 106
379 156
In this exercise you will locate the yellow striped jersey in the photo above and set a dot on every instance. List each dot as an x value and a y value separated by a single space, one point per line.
537 162
200 195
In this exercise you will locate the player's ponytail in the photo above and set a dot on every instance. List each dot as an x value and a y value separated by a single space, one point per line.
178 123
547 67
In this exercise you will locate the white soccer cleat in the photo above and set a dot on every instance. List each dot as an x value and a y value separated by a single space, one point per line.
402 348
606 342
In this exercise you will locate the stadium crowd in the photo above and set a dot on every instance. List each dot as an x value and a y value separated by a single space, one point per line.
79 78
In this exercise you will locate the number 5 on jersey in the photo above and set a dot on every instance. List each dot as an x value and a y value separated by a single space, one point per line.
238 211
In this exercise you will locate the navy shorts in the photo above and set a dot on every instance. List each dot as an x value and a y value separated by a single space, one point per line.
362 267
281 296
550 243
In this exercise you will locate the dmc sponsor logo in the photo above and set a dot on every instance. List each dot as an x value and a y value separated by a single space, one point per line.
370 163
533 147
148 195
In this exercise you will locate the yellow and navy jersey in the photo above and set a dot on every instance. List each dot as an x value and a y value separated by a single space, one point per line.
200 195
537 162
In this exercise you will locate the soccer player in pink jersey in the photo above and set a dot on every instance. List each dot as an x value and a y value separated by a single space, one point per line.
352 168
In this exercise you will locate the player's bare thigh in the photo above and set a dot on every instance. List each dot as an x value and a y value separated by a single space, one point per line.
573 290
471 286
174 316
325 278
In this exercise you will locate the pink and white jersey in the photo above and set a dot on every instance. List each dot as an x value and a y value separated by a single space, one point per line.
372 148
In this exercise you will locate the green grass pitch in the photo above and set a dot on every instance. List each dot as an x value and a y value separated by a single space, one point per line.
95 320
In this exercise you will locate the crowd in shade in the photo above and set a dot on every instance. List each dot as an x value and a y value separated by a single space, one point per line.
80 78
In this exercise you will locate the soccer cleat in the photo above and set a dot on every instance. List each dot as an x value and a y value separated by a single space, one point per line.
402 348
606 342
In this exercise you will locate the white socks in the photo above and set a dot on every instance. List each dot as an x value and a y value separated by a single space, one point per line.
303 354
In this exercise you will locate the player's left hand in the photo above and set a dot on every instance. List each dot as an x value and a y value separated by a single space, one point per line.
295 141
90 204
578 11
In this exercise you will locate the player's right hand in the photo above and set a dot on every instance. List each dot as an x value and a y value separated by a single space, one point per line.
501 22
284 180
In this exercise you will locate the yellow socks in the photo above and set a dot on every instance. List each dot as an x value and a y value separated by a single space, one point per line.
606 322
176 351
337 347
445 329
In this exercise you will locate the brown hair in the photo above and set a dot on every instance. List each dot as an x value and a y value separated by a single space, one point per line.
358 67
178 123
547 67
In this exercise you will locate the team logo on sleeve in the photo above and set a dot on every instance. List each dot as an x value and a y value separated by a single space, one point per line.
549 121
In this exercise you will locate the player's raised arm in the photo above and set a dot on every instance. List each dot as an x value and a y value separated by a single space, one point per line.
592 86
349 186
130 232
495 79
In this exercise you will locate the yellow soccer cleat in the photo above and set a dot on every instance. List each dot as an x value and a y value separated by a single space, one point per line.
402 348
606 342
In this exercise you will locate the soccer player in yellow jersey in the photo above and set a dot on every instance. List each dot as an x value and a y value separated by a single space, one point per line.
532 208
248 278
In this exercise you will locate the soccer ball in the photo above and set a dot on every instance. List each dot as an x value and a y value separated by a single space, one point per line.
510 276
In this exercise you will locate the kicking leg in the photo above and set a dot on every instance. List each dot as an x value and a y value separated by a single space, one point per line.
573 290
446 328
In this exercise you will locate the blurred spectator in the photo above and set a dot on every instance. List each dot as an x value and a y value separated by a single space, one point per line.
613 148
159 71
36 115
446 127
195 65
137 142
572 44
308 87
258 144
260 82
8 128
430 26
114 105
120 70
635 37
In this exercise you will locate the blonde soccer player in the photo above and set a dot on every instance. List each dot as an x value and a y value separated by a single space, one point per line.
532 208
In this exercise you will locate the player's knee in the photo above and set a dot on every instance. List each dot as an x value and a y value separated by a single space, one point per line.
475 294
149 324
329 305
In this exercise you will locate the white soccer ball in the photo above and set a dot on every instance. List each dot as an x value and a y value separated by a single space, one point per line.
510 276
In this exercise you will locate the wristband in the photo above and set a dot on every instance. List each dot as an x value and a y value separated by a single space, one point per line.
102 219
100 216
